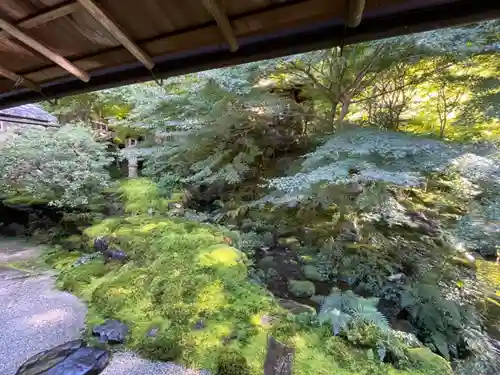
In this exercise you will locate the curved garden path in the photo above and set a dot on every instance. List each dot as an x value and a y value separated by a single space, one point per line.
35 316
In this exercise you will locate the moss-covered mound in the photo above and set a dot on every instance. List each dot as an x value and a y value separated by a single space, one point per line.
186 297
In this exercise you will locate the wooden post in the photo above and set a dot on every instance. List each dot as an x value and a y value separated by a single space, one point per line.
279 358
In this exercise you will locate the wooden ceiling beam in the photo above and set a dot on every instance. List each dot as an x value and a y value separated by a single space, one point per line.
41 19
355 9
19 80
114 29
45 17
222 22
60 60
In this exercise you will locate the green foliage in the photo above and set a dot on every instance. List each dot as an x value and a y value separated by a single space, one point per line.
231 362
227 133
179 273
263 133
97 105
65 166
175 277
440 321
340 309
142 196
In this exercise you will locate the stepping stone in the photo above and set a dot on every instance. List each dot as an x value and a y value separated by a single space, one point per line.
71 358
111 331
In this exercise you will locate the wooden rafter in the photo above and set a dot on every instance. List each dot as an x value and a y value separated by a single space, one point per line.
355 10
104 19
41 19
45 17
222 22
60 60
19 80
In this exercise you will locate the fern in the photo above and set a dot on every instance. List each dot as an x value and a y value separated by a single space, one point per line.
441 322
343 308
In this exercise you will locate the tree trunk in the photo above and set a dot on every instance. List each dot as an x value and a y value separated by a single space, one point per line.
344 110
442 128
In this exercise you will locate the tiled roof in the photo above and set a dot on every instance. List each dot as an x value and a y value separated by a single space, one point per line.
30 110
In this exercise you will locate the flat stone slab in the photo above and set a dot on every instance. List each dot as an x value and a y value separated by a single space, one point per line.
71 358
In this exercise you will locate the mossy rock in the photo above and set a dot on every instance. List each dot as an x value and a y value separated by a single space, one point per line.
311 272
221 255
272 274
301 288
290 242
429 363
295 307
319 299
267 262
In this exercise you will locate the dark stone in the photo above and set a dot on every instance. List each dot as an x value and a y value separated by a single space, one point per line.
14 229
200 324
279 358
111 331
153 332
101 244
354 189
71 358
115 254
403 325
86 258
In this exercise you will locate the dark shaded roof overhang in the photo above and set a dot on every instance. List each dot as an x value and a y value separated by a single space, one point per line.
391 18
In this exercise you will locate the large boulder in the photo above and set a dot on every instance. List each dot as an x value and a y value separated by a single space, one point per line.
101 244
312 273
111 331
301 288
71 358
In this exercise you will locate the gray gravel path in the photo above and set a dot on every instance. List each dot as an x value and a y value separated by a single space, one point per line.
34 316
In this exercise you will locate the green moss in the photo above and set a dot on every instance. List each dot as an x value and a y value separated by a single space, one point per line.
141 195
73 242
429 363
181 272
231 362
24 199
